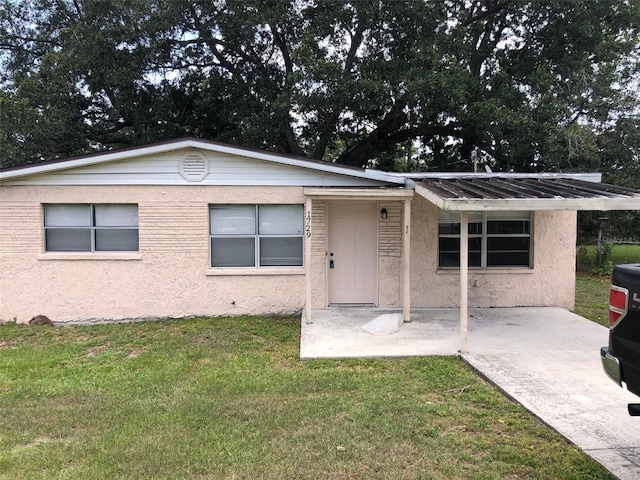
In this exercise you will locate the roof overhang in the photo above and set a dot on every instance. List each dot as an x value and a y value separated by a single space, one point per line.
524 192
13 173
357 193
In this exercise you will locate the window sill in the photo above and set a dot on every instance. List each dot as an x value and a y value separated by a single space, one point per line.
90 256
228 272
487 271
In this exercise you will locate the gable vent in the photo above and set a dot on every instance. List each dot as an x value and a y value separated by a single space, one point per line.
194 167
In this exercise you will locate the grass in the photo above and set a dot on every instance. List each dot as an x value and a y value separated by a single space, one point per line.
229 399
592 290
592 298
587 257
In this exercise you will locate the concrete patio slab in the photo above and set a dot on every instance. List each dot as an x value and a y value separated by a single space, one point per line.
547 359
338 333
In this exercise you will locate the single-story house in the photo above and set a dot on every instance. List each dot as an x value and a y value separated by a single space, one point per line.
191 227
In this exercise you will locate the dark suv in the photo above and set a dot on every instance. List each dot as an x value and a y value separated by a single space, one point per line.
621 360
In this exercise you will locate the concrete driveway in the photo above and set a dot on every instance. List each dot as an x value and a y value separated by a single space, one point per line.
547 359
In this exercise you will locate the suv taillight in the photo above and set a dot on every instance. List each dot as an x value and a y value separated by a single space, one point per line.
618 304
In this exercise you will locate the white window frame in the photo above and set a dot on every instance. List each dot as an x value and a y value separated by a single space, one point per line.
257 237
92 228
483 218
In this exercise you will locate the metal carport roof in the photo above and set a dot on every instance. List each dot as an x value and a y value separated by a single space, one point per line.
483 192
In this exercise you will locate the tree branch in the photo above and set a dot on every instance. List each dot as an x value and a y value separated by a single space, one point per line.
487 44
8 45
292 143
211 43
495 8
377 142
331 119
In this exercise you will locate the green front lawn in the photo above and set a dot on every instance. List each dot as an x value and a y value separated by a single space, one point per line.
592 298
592 290
229 399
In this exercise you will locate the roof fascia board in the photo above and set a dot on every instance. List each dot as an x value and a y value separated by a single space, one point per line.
357 193
100 158
522 204
601 204
593 177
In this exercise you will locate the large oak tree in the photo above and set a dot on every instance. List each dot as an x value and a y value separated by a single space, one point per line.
528 85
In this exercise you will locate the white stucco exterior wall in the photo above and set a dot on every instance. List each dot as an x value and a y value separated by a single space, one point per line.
168 277
551 281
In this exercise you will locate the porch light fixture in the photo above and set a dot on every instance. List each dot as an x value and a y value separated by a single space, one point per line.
383 213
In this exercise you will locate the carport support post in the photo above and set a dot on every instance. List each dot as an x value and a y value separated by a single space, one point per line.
406 261
464 275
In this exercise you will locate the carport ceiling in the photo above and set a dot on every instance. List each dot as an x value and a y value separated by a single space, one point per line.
496 192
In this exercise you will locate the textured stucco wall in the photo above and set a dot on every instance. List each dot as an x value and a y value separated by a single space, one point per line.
170 276
551 281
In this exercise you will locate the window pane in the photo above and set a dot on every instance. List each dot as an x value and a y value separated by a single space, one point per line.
509 215
449 229
449 252
452 244
280 219
280 252
233 219
67 215
448 244
513 227
116 215
508 259
496 244
475 228
68 240
452 259
449 260
508 252
447 216
233 252
117 240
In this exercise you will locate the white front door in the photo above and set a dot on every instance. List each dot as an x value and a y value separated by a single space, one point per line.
351 253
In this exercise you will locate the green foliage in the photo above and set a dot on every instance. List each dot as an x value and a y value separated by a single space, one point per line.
534 86
591 262
605 269
228 398
597 261
619 226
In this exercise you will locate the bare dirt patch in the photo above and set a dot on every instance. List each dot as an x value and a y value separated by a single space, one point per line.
135 352
94 352
35 443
